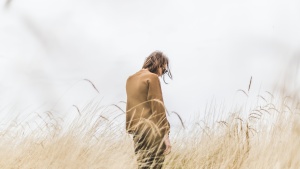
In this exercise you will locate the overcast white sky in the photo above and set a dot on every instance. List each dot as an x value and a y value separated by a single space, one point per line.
48 46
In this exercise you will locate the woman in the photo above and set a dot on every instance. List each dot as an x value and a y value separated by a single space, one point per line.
146 114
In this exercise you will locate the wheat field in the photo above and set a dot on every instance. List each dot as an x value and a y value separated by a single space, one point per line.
267 137
44 41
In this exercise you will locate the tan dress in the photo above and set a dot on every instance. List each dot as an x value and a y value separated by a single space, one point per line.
146 118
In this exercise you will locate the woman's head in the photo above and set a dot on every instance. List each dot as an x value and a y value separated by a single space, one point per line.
158 63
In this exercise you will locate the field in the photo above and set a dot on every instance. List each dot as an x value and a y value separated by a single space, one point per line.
266 136
53 117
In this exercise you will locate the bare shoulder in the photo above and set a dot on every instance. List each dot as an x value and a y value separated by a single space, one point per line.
144 75
129 77
151 76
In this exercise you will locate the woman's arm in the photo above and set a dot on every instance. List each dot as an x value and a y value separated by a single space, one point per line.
168 145
157 104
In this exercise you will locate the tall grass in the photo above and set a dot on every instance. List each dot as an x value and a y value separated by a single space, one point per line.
268 137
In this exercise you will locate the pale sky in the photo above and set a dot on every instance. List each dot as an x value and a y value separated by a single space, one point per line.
48 46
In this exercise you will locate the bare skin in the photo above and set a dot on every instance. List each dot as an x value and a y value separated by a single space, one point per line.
168 145
166 137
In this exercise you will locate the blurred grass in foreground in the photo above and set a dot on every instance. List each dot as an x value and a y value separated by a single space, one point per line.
268 138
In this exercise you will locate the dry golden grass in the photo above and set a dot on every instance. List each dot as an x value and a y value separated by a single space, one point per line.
269 137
